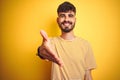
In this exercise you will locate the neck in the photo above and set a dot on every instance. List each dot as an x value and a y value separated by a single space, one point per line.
68 36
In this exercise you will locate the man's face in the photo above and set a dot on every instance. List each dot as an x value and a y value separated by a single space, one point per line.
66 21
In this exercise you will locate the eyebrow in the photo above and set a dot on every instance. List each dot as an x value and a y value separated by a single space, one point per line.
64 13
61 14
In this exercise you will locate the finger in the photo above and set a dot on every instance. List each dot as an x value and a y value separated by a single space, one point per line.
56 59
50 52
44 35
59 62
49 56
53 57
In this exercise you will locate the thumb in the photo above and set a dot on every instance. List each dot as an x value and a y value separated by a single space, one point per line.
44 35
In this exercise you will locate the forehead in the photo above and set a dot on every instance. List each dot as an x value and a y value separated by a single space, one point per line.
68 12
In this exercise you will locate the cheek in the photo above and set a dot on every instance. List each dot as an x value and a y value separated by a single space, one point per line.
60 20
73 20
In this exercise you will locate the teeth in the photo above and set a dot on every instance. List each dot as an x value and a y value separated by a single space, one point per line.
66 24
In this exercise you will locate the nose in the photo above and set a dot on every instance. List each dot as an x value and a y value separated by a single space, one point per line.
66 18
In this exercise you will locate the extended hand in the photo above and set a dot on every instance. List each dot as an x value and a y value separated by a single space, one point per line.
46 50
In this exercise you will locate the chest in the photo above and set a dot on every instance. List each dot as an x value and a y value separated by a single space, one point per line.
71 51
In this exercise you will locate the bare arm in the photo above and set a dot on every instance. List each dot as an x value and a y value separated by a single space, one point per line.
88 75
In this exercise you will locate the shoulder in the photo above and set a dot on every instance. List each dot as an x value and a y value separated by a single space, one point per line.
82 40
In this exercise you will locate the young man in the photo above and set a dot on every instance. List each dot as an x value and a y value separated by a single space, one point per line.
72 56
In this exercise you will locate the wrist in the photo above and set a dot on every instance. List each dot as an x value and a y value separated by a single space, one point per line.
39 54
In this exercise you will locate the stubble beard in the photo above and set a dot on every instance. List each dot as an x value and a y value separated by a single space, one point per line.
66 29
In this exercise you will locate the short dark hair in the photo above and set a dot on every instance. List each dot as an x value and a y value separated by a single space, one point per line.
65 7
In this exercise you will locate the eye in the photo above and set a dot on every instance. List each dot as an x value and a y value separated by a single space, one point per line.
61 15
71 15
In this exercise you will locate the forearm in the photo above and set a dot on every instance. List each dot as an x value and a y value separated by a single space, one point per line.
88 75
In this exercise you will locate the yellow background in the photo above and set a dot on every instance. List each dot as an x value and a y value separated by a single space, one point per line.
98 21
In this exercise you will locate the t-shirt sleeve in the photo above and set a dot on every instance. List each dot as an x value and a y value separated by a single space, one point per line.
90 62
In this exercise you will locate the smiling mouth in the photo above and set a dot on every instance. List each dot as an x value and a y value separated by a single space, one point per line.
66 24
